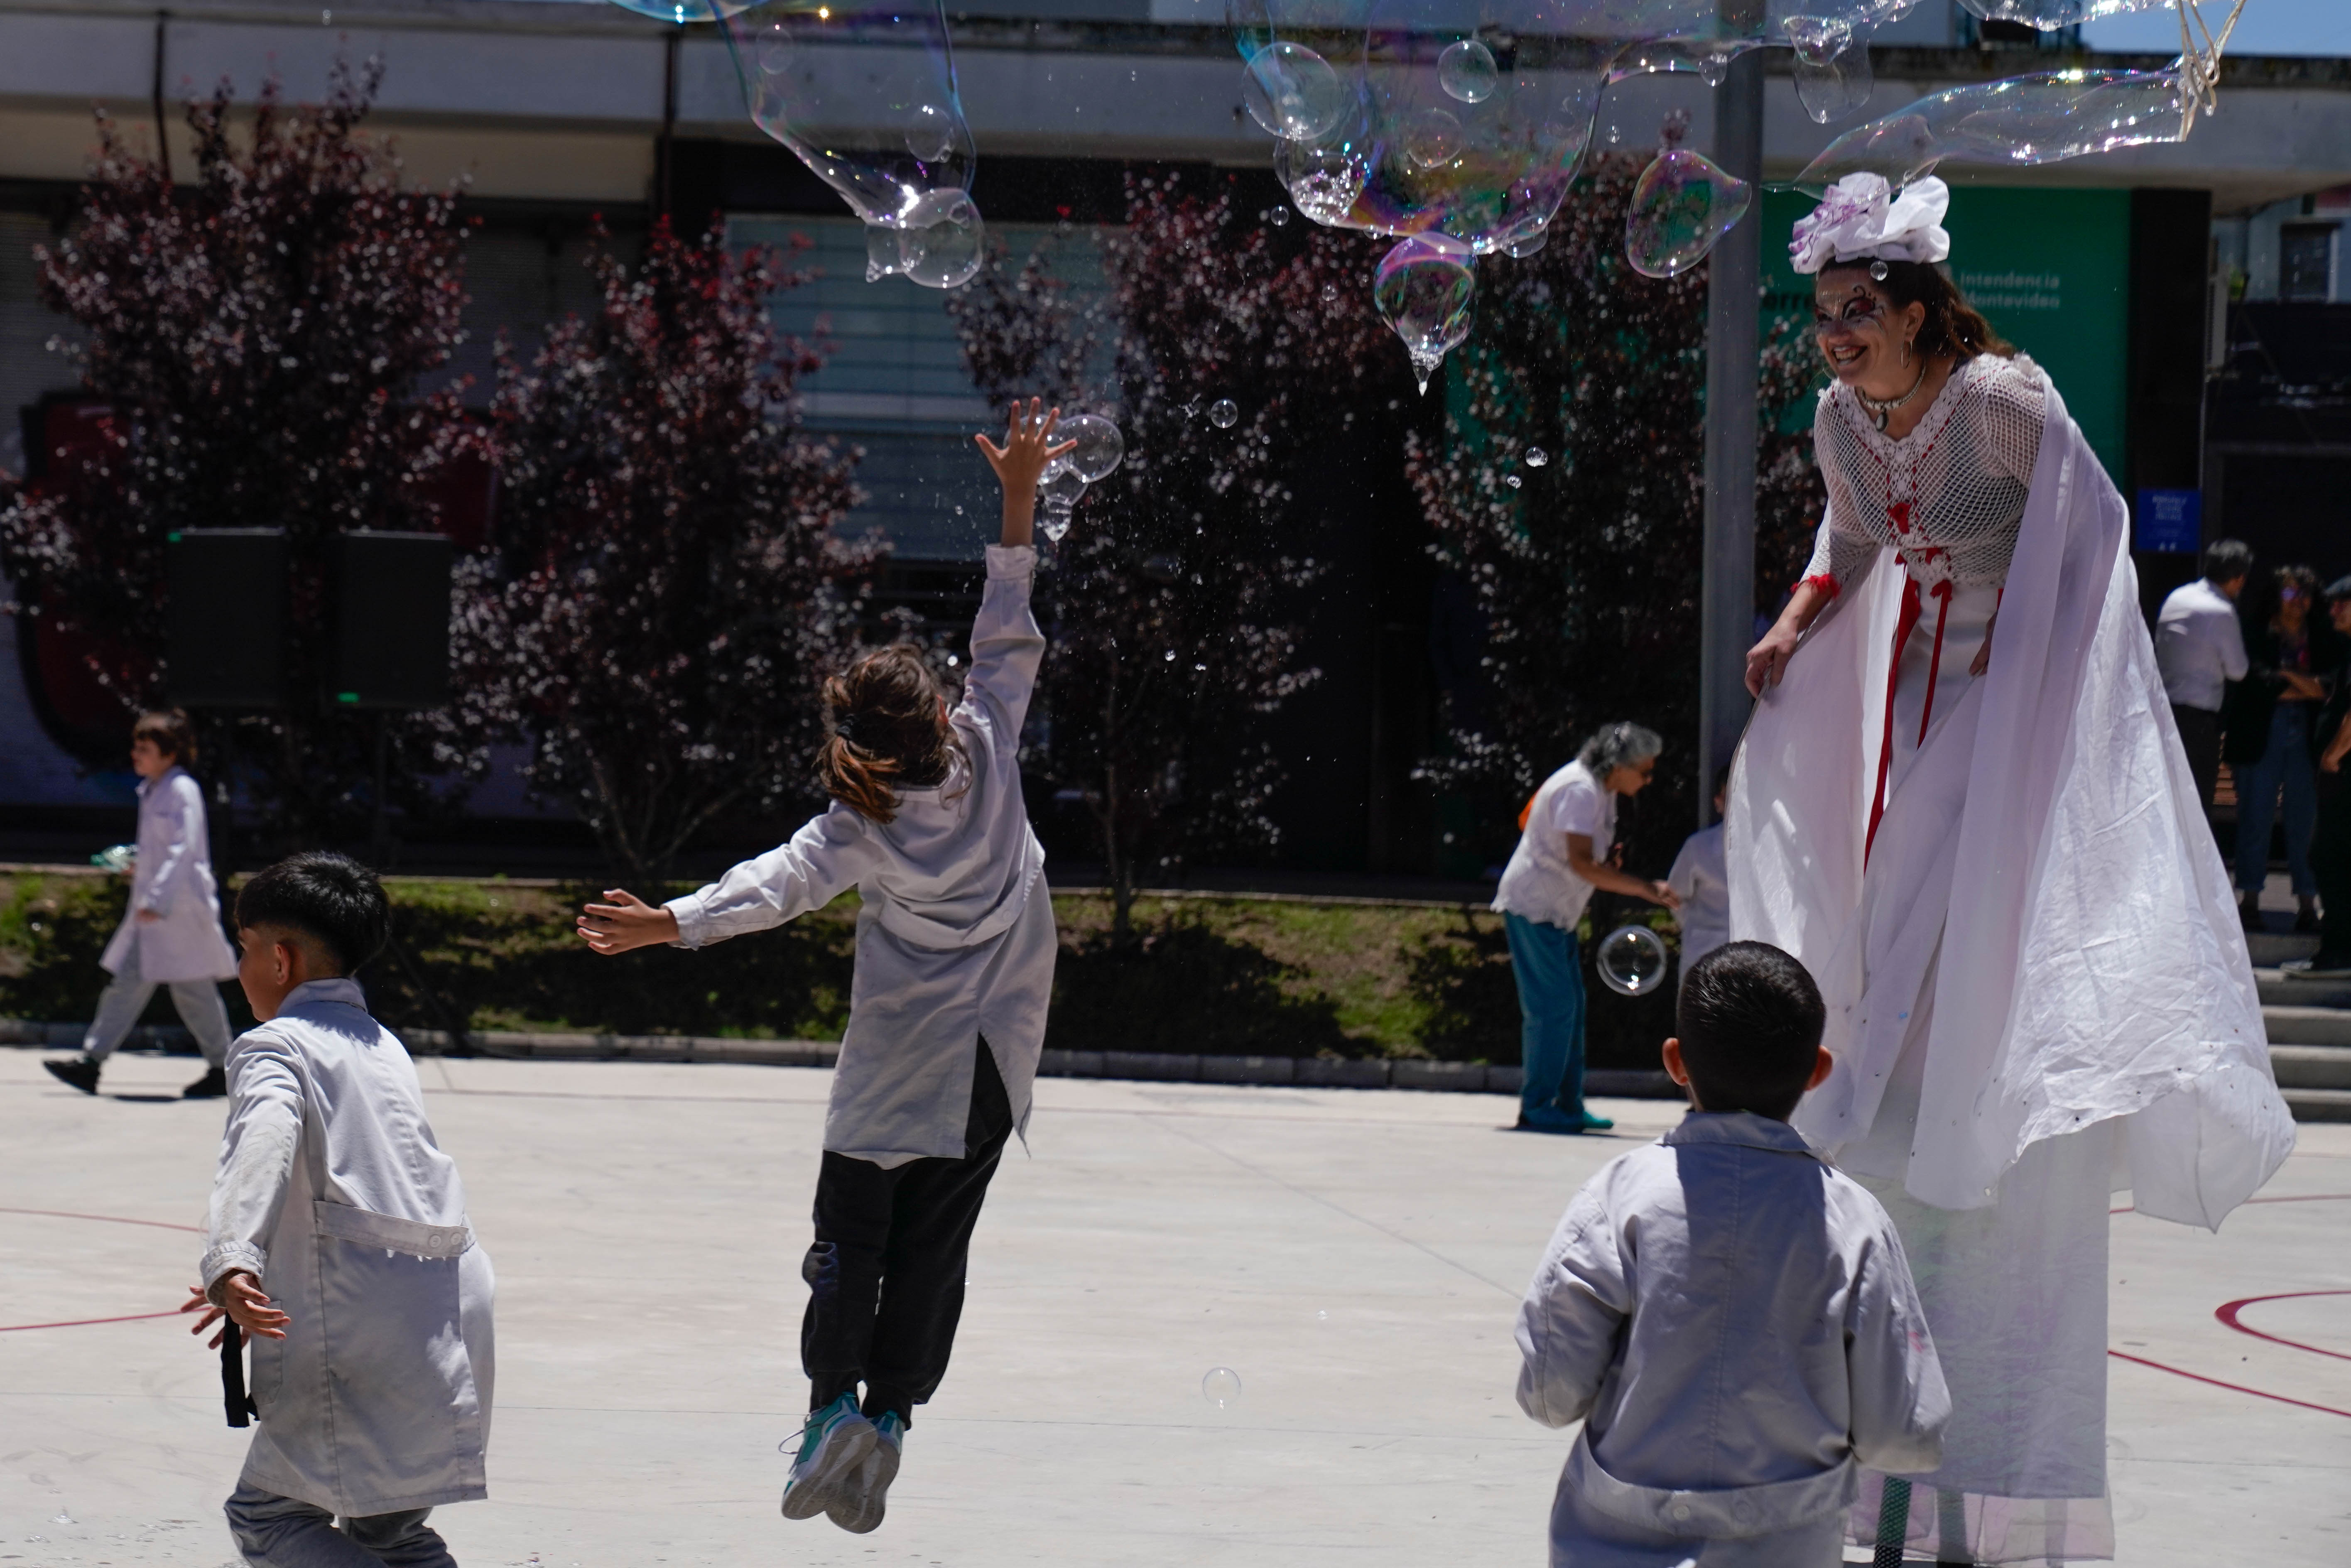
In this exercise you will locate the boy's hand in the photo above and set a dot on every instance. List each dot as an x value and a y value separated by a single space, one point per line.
242 1301
628 923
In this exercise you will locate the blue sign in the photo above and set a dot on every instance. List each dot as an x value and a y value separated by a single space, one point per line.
2169 522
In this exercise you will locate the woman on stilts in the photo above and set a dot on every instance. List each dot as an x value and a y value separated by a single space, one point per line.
1963 804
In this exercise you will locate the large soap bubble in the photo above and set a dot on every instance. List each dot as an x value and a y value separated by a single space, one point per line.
1293 93
1466 70
684 11
1426 289
1631 961
1097 451
867 98
1681 205
2025 120
2046 15
1832 71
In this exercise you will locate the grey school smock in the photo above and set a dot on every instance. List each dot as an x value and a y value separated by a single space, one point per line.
956 940
333 1192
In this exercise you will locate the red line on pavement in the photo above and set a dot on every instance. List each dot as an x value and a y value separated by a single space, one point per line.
2233 1387
105 1219
2290 1197
84 1323
2228 1314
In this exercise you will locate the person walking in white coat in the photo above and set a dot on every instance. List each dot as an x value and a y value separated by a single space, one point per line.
170 935
338 1241
946 1018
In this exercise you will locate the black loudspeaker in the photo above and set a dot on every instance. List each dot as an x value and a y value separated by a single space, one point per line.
390 642
226 617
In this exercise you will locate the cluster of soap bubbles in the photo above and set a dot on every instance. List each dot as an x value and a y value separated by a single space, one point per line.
863 91
1098 449
1456 126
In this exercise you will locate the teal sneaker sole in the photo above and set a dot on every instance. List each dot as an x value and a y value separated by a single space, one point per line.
832 1473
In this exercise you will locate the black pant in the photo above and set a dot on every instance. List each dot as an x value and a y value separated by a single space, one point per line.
2330 862
2199 735
885 1276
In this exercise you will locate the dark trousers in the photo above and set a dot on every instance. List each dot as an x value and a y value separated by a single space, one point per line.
885 1275
273 1532
2200 734
2330 862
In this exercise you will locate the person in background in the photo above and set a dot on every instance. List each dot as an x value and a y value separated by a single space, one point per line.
1565 838
1701 880
2330 846
2268 743
2199 647
170 935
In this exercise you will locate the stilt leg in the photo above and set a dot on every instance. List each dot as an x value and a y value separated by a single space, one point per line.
1951 1527
1893 1523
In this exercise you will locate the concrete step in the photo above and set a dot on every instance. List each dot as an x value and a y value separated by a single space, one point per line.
2311 1066
2319 1104
2282 988
2272 948
2308 1026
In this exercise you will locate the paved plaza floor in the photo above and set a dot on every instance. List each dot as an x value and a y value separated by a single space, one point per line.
1355 1256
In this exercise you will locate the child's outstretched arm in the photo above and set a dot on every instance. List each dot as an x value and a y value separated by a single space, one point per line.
1019 464
804 873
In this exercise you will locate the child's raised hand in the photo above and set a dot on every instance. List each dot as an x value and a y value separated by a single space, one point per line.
242 1302
1020 462
626 923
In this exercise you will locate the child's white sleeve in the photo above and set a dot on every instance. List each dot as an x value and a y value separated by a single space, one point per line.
186 813
257 1157
1007 646
1569 1321
825 856
1683 878
1899 1402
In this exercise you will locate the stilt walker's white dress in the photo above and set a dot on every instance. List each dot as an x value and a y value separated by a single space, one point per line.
2038 991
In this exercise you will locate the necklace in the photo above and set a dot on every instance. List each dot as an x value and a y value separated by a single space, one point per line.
1881 410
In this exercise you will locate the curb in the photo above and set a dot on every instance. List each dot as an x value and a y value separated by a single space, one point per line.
1138 1066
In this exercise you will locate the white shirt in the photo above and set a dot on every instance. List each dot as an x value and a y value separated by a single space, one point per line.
1537 885
1735 1324
956 940
1702 880
333 1189
2199 645
172 878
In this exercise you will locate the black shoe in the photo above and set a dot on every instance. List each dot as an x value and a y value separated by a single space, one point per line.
2249 914
210 1086
79 1070
2305 924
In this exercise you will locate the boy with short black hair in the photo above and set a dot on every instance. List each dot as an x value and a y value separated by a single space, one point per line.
1731 1318
372 1367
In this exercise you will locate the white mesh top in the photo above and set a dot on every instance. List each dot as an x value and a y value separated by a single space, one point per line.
1949 495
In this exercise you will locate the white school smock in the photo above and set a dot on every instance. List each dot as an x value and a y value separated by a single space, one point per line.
956 940
172 878
332 1190
1774 1344
1701 879
1537 885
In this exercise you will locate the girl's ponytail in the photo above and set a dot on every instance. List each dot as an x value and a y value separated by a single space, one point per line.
888 730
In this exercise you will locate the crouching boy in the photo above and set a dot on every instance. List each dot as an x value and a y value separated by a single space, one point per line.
339 1241
1731 1318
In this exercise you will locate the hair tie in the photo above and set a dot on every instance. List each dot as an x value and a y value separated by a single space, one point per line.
845 726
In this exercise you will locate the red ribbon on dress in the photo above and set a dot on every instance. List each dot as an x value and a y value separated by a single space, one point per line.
1913 609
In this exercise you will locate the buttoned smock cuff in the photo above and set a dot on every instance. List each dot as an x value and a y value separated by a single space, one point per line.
692 926
226 1259
1822 580
1011 563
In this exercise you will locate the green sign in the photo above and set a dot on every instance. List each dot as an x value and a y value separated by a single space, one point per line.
2051 271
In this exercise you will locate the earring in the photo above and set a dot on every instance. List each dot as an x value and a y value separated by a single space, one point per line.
1906 351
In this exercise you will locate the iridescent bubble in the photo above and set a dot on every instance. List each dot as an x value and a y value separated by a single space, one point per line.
1536 457
930 133
1433 138
1833 69
1426 290
1526 246
1293 93
1466 72
941 240
1221 1387
1061 486
1708 58
1631 961
1681 205
1325 182
2040 119
1224 414
1099 445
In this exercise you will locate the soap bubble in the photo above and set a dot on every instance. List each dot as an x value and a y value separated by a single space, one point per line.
1221 1387
1099 445
680 12
1426 288
1466 70
2028 119
881 253
1325 182
1061 486
1631 961
1433 138
1512 480
1293 93
1537 457
1708 58
1526 246
2046 15
941 240
1681 205
1833 70
1278 217
1224 414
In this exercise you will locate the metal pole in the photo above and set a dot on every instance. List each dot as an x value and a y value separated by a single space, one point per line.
1734 289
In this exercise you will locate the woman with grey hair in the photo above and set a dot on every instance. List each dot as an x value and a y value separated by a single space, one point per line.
1566 836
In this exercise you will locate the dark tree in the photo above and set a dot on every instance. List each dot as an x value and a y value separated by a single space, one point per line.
663 592
259 334
1174 604
1587 567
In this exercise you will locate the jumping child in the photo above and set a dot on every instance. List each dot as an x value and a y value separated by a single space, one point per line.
171 934
947 1016
338 1242
1731 1318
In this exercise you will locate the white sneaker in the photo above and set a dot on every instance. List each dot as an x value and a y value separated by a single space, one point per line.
833 1448
861 1504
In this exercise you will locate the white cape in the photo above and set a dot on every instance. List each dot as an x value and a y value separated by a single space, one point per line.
2048 866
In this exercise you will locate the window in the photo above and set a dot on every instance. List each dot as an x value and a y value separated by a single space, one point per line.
2306 261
